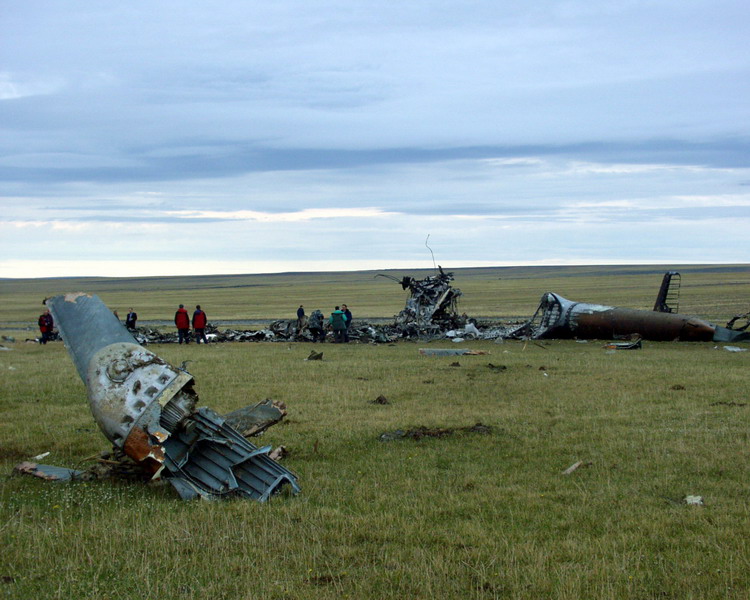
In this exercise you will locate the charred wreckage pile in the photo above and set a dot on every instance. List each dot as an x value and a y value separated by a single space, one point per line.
431 311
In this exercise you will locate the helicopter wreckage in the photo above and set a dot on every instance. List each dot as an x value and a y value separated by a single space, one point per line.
431 312
148 410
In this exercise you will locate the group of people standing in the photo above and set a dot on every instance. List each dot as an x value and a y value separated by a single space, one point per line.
340 321
182 322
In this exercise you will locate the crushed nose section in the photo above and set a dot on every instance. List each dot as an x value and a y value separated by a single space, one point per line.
146 408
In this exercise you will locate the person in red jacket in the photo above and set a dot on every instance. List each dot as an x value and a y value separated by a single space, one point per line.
46 325
182 322
199 325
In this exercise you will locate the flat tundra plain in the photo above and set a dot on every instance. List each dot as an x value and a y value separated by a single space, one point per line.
657 506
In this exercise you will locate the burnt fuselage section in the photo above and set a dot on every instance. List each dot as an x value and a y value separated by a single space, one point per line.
560 318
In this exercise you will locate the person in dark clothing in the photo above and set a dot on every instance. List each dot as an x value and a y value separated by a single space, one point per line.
182 322
337 320
300 318
315 325
46 325
130 319
199 325
348 315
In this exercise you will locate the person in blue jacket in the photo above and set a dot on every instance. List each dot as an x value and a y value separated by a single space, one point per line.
348 315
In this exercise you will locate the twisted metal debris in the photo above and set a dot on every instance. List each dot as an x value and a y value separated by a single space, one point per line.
432 306
147 409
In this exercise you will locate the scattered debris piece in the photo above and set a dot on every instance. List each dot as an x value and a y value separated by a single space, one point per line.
47 472
734 349
278 454
4 348
146 408
728 404
455 364
575 466
497 367
8 338
39 457
637 344
451 352
694 500
380 400
254 420
315 355
677 387
419 433
732 323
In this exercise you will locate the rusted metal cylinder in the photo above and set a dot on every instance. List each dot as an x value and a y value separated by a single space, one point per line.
562 318
128 386
146 407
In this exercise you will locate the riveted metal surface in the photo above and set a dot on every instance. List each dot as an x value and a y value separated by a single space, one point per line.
124 381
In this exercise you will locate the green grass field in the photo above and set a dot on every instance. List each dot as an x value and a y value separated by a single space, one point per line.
713 292
468 515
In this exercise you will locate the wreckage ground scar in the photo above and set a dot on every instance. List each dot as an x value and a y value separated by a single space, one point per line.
146 408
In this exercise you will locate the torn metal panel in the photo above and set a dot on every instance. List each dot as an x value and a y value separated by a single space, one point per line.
146 407
252 420
47 472
560 318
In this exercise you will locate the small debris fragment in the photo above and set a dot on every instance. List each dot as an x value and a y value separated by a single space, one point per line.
728 404
496 367
40 456
455 364
734 349
637 344
253 420
694 500
315 356
47 472
572 467
677 387
380 400
451 352
278 453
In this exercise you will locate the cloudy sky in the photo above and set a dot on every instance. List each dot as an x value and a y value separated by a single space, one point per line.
238 136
